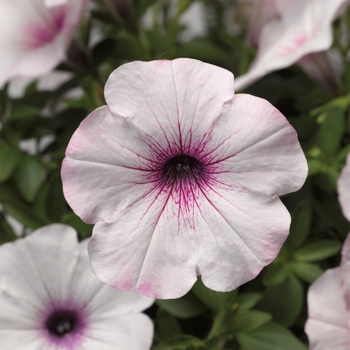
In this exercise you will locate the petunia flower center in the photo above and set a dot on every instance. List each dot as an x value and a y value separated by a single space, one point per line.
61 322
182 166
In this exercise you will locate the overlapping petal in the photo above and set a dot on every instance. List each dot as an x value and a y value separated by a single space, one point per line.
156 231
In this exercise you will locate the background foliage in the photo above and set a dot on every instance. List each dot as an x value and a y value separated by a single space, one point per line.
266 313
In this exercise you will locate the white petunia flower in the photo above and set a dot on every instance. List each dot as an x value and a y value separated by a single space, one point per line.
51 300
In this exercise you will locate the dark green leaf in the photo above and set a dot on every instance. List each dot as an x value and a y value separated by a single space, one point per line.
318 250
9 158
25 112
203 50
214 300
284 302
167 325
6 232
300 226
55 200
23 213
247 301
250 320
29 175
185 307
275 273
331 130
306 271
270 336
182 342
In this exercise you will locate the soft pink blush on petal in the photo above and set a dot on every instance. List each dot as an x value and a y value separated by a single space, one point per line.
327 326
40 34
344 188
345 272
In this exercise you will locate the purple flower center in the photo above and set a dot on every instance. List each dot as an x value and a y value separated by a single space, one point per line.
61 322
182 166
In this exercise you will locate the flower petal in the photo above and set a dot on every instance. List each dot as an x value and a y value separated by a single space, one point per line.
106 166
34 269
256 149
133 331
102 300
52 3
344 188
328 324
172 101
145 250
304 27
345 271
20 339
244 232
158 246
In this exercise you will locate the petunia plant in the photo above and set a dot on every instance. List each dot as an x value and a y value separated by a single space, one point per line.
146 203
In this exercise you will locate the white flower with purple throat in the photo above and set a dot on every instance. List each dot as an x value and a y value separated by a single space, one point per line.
182 178
50 299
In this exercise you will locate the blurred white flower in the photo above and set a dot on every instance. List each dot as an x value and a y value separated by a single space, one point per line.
328 324
286 31
34 38
50 299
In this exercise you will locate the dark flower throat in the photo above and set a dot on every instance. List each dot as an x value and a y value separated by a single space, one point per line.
61 322
182 166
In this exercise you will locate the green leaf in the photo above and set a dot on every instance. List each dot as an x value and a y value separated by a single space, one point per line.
300 226
6 232
270 336
182 342
214 300
29 175
329 210
9 159
25 112
274 301
248 321
203 50
318 250
306 271
23 213
55 200
248 300
315 166
331 130
167 325
186 307
275 274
